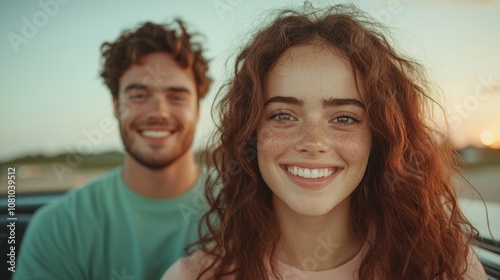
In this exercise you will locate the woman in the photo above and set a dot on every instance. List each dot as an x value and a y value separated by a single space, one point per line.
328 168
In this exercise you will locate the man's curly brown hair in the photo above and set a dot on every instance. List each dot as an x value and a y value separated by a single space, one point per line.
131 46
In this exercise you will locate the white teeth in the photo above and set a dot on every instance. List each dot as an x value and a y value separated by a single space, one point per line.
314 173
156 133
311 173
307 173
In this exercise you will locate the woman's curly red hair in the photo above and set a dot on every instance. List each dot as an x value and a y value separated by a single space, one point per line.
406 195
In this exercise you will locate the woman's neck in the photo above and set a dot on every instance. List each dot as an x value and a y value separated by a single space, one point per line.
317 243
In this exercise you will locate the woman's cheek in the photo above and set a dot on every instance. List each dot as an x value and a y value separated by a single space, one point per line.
353 147
271 140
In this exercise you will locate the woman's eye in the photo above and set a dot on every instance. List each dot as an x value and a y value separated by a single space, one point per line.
345 120
280 117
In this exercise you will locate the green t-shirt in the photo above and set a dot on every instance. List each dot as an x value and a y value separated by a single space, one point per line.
106 231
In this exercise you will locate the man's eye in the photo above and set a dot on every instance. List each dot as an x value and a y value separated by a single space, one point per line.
137 95
178 97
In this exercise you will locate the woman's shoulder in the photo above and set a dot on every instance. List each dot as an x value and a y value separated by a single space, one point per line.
188 267
475 269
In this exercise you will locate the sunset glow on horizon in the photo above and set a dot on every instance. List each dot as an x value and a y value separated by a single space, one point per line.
487 138
490 139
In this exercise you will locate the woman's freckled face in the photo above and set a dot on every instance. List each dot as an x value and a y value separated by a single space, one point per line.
313 141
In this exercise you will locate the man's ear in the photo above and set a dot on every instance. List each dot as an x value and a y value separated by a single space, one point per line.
116 110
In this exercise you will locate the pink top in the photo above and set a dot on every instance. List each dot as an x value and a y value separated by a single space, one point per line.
188 268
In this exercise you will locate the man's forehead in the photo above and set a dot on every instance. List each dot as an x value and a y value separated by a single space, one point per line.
158 70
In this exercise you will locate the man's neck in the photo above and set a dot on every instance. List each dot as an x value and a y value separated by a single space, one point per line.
172 181
317 243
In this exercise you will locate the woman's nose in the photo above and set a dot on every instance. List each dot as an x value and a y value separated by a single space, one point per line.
312 139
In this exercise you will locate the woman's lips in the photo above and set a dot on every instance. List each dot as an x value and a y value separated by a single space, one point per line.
311 176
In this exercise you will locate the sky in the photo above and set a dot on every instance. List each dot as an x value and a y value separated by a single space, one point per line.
53 100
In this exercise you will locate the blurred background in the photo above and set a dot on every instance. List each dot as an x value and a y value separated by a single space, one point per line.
57 124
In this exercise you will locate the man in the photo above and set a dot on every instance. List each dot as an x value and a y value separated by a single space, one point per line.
134 222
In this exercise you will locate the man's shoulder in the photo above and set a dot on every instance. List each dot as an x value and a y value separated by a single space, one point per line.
77 200
66 229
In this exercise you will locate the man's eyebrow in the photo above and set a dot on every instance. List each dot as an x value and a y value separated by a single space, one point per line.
283 99
135 86
177 89
342 102
145 87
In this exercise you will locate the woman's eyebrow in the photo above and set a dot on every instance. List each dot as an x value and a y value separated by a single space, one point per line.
326 102
343 101
284 99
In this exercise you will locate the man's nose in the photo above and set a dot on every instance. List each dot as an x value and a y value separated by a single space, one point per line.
159 107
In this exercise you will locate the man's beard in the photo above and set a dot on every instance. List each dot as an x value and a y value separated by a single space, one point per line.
150 161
